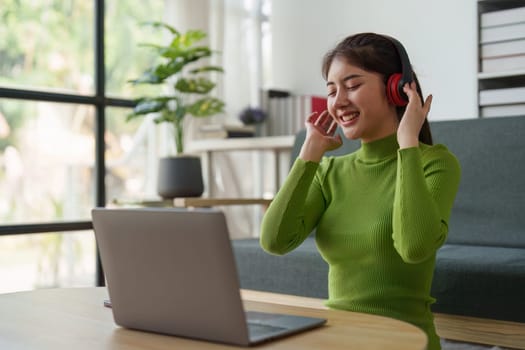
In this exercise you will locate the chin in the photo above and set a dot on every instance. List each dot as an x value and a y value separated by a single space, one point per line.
351 134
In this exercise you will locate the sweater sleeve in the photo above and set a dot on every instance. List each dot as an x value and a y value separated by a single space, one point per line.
294 211
425 190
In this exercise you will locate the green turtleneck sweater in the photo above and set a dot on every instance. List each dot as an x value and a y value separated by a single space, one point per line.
381 213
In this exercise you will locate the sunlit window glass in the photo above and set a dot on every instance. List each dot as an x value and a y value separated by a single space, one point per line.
47 44
131 156
125 32
46 161
47 260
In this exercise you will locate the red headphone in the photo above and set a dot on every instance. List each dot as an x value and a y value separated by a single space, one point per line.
395 82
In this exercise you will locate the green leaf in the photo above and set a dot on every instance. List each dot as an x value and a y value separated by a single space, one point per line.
157 24
196 53
148 77
206 107
151 105
164 71
146 106
158 74
171 52
165 51
207 69
187 39
197 86
166 116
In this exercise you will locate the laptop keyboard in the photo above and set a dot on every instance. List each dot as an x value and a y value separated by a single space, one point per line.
257 329
258 323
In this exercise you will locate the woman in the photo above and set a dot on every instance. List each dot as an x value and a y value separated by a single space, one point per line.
381 212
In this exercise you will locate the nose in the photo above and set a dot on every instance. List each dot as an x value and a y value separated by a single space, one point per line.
341 99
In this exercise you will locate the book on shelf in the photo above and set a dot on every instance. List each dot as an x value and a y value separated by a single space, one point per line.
304 106
505 63
502 49
318 104
502 96
502 17
275 93
222 131
512 110
287 113
502 33
274 103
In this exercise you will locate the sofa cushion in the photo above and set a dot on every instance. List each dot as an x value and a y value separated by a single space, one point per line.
300 272
480 281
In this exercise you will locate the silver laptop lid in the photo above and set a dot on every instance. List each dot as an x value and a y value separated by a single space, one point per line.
148 254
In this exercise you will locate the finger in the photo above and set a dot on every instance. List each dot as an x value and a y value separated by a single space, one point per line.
312 118
323 118
426 105
331 128
410 90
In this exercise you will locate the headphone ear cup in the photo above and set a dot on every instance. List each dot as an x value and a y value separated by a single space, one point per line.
394 90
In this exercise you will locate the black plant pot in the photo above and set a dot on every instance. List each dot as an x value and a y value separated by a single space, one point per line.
180 176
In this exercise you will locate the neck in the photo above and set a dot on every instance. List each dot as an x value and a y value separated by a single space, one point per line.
388 127
379 149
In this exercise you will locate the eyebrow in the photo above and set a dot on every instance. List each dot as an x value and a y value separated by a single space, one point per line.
345 79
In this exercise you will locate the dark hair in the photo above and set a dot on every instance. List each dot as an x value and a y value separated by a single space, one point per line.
374 53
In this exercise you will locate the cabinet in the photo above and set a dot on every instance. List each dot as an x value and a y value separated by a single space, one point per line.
501 53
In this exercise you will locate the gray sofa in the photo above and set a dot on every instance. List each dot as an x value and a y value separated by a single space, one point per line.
480 271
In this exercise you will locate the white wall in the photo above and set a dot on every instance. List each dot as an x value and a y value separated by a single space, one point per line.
439 35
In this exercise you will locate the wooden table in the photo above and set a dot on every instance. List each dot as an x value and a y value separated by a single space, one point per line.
75 319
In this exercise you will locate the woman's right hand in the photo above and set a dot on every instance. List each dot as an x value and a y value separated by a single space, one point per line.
317 142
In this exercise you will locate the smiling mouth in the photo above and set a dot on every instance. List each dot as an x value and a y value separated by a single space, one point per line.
349 117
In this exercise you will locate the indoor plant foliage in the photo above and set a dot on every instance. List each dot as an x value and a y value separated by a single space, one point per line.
187 82
185 78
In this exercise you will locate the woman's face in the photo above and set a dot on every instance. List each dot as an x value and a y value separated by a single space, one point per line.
357 100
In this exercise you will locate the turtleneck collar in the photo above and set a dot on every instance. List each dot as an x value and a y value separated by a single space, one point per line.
378 150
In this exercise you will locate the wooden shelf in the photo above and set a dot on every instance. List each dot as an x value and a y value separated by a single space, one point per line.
504 74
511 74
242 144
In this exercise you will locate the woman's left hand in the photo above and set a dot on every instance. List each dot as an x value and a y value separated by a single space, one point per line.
414 117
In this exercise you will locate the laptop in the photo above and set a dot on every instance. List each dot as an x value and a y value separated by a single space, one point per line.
172 271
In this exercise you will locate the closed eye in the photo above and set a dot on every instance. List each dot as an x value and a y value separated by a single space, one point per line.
353 87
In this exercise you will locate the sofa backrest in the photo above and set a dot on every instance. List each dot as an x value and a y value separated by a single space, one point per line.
490 205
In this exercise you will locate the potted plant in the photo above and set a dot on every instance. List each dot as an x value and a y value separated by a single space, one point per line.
184 76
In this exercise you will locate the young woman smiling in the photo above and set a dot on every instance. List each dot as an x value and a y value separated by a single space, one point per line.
381 212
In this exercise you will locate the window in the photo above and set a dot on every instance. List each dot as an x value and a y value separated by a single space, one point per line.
65 145
64 97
